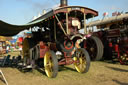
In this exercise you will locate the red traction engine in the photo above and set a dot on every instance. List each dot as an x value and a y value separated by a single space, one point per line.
115 39
55 39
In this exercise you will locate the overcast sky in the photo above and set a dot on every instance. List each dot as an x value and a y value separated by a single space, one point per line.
22 11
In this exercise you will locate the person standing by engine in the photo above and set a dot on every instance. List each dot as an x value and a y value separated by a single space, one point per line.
7 48
1 49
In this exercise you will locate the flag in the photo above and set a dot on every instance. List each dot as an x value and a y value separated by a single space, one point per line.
116 13
105 14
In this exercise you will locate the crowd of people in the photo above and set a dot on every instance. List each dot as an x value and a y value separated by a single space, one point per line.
9 48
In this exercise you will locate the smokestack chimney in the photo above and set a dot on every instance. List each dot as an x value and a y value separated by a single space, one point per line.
63 3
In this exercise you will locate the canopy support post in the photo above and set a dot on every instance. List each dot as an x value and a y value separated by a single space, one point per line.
67 23
85 29
55 29
60 25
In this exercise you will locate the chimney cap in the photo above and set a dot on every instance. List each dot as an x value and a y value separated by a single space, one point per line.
63 3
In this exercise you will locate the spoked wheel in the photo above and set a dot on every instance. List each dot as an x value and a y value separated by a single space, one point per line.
81 60
94 47
50 64
123 58
27 44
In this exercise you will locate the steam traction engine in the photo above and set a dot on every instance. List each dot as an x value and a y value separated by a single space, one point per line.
56 39
114 35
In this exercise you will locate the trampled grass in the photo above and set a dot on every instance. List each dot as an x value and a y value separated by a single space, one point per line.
100 73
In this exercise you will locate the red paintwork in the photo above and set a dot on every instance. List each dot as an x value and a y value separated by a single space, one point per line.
116 48
127 52
43 49
67 60
85 44
113 33
110 44
68 47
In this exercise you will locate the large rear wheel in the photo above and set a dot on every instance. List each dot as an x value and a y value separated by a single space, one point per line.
81 60
50 64
94 47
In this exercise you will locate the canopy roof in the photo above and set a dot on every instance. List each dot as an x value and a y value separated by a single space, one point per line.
108 20
7 29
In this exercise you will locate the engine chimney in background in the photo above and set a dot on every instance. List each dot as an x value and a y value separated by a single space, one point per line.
63 3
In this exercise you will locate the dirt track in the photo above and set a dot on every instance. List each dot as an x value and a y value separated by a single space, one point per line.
100 73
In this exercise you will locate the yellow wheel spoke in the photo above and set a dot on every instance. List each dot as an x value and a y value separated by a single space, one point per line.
80 65
48 64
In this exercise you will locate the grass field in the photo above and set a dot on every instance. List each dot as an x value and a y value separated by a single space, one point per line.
100 73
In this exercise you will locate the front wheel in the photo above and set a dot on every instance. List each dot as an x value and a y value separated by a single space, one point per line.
50 64
81 60
27 45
